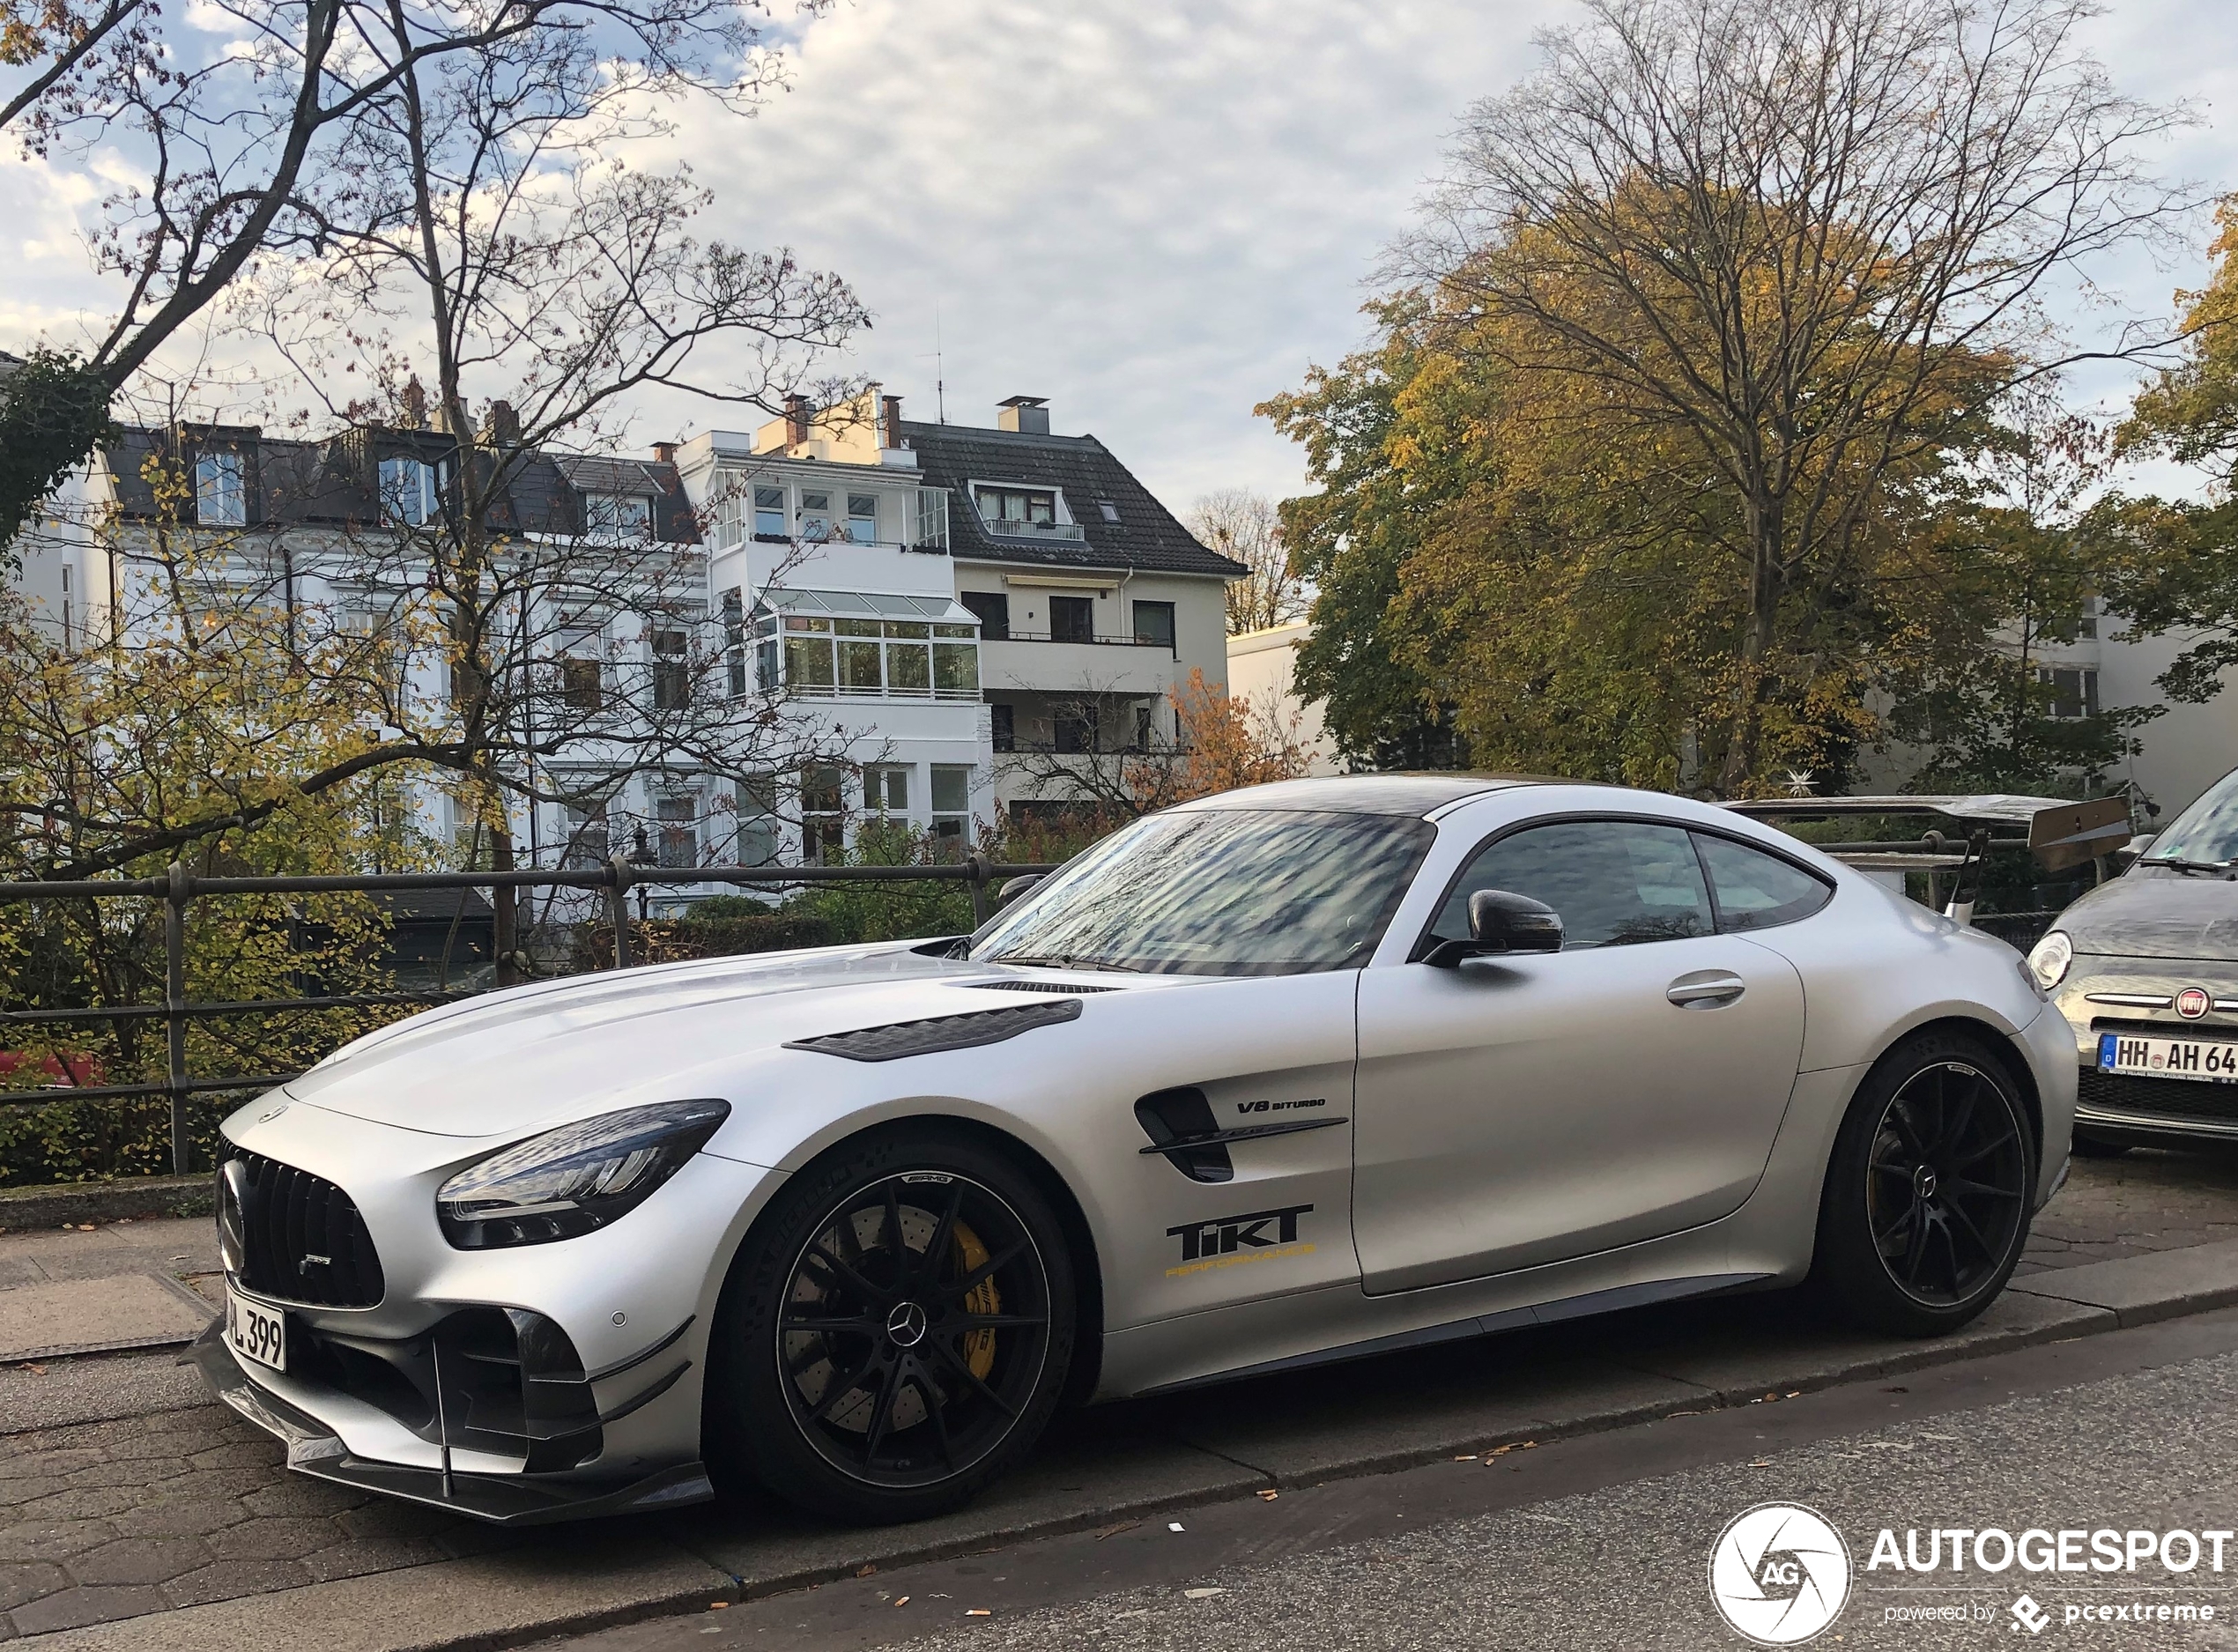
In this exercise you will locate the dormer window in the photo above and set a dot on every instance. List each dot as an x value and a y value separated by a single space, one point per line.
221 490
1032 507
617 516
407 493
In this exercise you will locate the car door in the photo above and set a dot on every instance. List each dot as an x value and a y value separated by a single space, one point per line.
1538 1106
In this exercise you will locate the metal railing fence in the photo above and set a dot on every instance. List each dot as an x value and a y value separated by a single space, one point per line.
179 887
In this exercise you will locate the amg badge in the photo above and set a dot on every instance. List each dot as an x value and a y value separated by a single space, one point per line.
1254 1236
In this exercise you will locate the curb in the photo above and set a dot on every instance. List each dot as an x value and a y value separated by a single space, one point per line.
135 1198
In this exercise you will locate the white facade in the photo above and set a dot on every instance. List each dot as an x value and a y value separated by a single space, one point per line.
1261 669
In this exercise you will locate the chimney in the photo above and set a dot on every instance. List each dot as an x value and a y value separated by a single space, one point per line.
890 420
501 425
1028 415
664 453
795 420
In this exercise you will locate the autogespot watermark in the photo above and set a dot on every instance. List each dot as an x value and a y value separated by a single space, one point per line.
1782 1574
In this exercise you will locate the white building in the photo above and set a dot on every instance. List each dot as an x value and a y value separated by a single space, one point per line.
1064 603
1262 668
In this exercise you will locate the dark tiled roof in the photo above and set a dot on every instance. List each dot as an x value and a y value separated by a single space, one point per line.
335 483
1145 536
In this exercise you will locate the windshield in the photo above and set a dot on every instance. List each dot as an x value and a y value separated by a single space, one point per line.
1219 892
2205 832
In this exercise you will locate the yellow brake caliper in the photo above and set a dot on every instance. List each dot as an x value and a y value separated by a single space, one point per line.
979 1345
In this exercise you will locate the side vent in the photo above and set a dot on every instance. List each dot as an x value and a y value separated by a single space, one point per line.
1054 988
1168 1117
966 1031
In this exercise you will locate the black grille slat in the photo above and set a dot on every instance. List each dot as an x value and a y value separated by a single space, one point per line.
2172 1099
293 1216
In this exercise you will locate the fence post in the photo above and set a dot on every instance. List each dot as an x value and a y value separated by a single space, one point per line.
980 873
618 899
179 891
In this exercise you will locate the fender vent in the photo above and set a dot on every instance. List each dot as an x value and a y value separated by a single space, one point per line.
941 1031
1060 988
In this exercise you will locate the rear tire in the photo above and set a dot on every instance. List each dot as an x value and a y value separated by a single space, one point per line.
1929 1190
894 1333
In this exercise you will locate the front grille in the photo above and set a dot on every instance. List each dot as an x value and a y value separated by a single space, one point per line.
303 1240
2172 1026
2161 1098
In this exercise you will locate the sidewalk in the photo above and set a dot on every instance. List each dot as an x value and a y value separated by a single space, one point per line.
138 1514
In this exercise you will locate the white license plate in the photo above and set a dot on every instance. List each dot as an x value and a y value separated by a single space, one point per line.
256 1332
2213 1061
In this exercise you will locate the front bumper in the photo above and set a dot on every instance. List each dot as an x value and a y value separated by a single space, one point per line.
314 1447
2142 1107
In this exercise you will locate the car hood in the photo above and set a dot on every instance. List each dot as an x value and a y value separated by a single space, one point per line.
510 1062
2146 914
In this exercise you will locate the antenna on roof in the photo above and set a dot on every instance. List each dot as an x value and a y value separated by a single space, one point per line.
939 366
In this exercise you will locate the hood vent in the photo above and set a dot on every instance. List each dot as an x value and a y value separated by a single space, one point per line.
942 1032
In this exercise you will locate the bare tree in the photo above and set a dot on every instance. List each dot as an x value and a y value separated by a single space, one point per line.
1799 239
1239 523
248 123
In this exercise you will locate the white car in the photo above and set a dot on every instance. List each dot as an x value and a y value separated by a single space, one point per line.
1293 1074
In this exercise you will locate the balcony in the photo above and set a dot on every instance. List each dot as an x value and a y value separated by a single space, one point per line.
1064 532
1038 663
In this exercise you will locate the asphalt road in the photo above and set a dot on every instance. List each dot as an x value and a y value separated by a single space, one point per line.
1604 1541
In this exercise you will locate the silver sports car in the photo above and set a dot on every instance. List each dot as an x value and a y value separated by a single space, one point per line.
1290 1075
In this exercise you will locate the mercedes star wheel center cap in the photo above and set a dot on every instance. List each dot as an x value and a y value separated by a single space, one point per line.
905 1326
1923 1182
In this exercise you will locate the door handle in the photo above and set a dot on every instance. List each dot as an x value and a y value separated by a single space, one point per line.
1710 991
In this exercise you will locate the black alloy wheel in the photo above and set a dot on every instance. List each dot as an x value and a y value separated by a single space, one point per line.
1931 1188
900 1339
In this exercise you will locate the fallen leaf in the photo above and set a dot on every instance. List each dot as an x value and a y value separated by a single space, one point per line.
1268 1497
35 1370
1113 1531
718 1605
1528 1445
870 1570
1203 1593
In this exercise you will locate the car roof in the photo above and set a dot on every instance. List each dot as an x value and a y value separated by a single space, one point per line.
1369 793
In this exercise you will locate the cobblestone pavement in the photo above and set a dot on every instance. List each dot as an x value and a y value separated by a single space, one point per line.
109 1519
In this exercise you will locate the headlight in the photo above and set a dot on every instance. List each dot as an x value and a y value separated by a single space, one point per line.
2047 963
579 1177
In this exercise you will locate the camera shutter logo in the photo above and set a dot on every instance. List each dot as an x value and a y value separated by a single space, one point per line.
1779 1574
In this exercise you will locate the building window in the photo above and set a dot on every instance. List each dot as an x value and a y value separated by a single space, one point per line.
1020 506
582 670
994 611
1154 624
1003 720
823 814
220 491
1142 727
808 655
617 516
734 642
815 516
589 844
932 519
765 651
2074 692
769 513
757 800
951 809
885 788
862 518
671 670
955 663
1072 619
679 822
407 493
1075 733
1110 510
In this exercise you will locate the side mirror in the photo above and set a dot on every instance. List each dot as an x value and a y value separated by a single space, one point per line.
2127 855
1499 922
1013 887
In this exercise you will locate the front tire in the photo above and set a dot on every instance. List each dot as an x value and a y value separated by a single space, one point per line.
1930 1189
895 1332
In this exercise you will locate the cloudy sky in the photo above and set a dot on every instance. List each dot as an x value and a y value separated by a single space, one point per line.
1154 212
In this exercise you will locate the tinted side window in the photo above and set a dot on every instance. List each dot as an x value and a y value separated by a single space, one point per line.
1615 882
1755 890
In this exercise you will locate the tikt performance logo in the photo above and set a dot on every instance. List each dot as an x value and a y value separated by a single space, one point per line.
1779 1574
1254 1236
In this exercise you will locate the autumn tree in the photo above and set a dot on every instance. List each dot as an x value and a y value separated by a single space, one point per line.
244 131
1786 253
